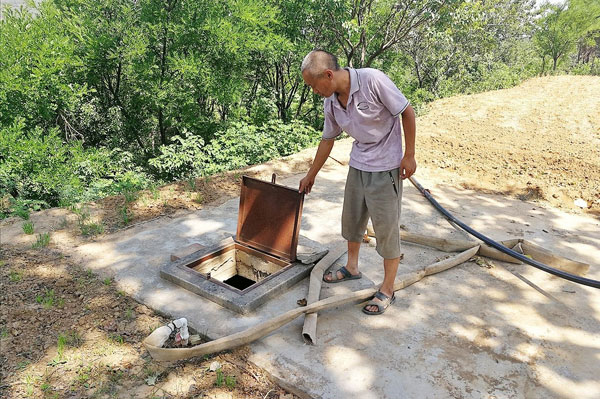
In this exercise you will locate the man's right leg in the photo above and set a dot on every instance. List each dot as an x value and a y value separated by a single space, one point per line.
352 264
354 219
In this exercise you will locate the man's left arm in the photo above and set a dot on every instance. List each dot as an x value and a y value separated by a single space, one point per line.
408 165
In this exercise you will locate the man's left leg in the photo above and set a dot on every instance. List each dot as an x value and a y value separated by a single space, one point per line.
384 198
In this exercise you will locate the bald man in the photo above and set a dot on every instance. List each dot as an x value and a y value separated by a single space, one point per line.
366 104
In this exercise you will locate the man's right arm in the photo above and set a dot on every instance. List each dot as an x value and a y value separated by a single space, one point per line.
323 152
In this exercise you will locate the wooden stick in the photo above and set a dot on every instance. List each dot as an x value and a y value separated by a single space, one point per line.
309 330
443 244
491 252
542 255
264 328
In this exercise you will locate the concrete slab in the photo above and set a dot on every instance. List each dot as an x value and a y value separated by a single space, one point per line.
495 331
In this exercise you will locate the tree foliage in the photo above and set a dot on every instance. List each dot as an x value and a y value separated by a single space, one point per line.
99 96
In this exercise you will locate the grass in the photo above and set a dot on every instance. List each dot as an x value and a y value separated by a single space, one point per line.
219 381
130 195
86 226
125 215
116 338
49 299
28 227
60 345
21 212
107 281
15 276
230 382
22 365
43 240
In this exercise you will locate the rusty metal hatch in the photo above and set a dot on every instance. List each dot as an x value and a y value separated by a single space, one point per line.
242 273
269 217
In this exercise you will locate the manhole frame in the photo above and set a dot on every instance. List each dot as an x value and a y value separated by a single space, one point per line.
227 296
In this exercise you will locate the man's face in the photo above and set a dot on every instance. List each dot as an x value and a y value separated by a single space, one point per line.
321 85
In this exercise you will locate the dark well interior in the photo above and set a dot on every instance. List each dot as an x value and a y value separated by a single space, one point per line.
238 267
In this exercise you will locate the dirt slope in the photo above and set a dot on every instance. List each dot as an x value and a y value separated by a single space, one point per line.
539 140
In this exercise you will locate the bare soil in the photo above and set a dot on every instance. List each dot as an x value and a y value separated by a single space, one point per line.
67 334
538 142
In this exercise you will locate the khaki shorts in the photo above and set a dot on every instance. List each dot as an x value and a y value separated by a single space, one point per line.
377 195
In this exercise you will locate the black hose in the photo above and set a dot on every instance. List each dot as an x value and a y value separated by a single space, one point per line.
502 248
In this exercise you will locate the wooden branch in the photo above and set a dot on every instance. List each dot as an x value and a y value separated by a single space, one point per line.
544 256
443 244
309 330
260 330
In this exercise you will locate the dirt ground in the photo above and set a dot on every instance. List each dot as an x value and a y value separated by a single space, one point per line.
538 141
66 333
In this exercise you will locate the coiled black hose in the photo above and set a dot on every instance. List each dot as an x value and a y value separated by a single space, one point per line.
568 276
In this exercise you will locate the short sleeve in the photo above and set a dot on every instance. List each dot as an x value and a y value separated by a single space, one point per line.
330 127
388 93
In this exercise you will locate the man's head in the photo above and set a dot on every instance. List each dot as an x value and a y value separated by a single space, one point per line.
318 69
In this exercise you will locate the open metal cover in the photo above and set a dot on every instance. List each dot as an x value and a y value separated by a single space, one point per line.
269 217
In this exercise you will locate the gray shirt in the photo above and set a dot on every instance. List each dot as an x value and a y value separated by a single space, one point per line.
371 118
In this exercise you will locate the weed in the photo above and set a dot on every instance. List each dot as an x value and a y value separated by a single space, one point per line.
83 376
49 299
60 345
22 365
45 387
129 314
89 274
2 263
220 378
4 333
87 227
199 198
15 276
116 338
125 215
42 241
230 382
28 227
155 193
191 182
74 339
91 229
29 380
130 195
121 293
21 212
107 281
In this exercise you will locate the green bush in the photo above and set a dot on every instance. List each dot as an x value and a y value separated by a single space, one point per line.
35 165
183 158
236 147
242 144
38 170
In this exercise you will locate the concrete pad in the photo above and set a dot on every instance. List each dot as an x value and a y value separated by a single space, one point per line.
496 331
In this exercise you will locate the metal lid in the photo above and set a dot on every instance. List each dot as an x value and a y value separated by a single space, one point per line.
269 217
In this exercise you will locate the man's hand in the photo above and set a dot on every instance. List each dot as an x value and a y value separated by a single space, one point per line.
306 184
408 166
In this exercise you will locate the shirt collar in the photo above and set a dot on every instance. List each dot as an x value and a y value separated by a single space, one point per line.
354 86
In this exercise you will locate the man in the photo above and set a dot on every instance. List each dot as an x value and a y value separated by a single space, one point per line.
366 104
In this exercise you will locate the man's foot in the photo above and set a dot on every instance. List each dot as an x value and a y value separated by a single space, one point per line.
379 303
342 274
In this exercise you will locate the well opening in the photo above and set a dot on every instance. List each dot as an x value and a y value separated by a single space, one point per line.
238 267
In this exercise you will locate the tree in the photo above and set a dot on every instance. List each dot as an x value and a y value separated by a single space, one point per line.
556 34
366 29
